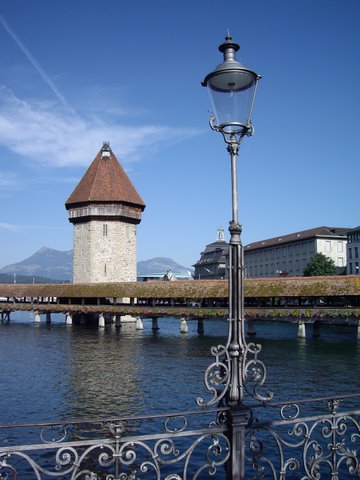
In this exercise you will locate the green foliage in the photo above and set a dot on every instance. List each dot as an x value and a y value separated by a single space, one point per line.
320 265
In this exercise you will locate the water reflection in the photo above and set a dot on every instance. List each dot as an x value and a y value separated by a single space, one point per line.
57 372
103 372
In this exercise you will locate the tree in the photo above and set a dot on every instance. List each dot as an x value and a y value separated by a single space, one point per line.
320 265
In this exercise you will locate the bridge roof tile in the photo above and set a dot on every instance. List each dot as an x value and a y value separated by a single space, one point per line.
337 285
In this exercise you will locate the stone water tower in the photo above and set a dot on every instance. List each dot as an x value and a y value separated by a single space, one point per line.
104 209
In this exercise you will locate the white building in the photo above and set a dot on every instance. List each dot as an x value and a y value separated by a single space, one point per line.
353 251
288 255
104 209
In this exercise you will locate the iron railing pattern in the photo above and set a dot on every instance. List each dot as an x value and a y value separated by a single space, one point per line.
304 439
172 447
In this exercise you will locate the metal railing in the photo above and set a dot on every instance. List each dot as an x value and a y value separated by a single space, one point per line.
305 439
174 446
302 439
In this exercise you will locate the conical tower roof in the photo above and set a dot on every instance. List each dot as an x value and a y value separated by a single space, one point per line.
105 181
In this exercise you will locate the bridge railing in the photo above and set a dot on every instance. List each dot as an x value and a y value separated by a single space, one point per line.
299 439
315 438
173 446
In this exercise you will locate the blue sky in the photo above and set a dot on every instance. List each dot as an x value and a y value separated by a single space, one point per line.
76 73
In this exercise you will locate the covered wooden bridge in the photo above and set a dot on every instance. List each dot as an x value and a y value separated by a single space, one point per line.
298 299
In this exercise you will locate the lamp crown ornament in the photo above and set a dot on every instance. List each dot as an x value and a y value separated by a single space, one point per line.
229 48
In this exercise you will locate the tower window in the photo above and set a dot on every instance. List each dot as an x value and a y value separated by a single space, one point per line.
105 230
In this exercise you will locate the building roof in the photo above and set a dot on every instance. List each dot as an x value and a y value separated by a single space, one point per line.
105 181
213 253
336 232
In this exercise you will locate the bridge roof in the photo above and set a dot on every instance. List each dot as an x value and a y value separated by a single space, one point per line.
193 289
105 181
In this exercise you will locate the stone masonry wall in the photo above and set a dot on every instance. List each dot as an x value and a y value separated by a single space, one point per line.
104 252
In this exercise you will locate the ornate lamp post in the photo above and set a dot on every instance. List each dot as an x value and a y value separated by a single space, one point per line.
232 88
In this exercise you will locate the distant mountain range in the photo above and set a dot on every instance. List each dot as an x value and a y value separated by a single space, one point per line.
46 262
160 265
49 265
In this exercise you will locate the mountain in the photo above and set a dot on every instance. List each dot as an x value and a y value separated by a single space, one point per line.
46 262
160 265
57 265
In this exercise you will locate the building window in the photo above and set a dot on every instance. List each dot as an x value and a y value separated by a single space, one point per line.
356 253
340 262
350 268
350 254
327 246
340 246
105 230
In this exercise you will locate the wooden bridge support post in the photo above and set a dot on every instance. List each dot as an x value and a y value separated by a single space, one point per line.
68 319
316 330
183 326
48 318
154 323
37 318
5 317
301 329
358 329
251 331
139 324
117 320
101 320
200 325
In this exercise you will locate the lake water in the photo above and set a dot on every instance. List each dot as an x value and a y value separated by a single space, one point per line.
57 372
52 372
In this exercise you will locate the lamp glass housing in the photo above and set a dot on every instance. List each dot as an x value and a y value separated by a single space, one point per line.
232 93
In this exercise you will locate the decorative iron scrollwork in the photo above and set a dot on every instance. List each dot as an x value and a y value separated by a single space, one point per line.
114 454
316 446
216 377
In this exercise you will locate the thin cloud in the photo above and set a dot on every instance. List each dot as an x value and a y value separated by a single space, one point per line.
23 228
9 226
43 134
37 66
8 180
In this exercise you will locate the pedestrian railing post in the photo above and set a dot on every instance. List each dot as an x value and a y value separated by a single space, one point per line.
237 422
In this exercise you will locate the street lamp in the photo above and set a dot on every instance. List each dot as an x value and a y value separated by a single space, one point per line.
232 88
